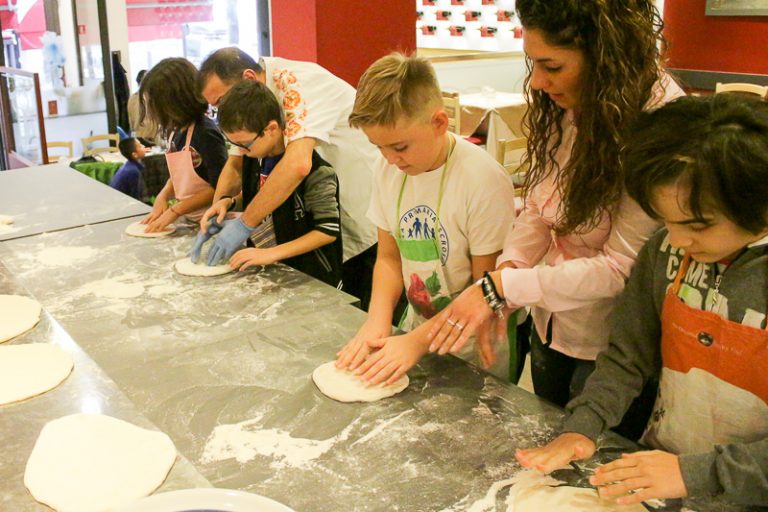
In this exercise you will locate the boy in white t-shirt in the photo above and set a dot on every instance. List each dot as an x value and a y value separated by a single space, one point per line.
441 205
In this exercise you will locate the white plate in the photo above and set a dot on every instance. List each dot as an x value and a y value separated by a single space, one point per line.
205 500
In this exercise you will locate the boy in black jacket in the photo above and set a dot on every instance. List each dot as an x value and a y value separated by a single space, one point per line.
303 232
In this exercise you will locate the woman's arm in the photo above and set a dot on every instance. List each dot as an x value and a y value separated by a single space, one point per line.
577 282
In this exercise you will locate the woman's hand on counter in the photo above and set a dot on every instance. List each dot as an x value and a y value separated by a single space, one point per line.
556 454
459 321
640 476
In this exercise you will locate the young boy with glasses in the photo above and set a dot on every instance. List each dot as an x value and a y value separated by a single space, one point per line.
304 231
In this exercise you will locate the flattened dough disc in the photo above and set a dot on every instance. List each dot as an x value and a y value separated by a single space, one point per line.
18 314
345 386
137 229
94 463
185 267
31 369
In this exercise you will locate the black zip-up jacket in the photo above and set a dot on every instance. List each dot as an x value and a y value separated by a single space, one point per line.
314 205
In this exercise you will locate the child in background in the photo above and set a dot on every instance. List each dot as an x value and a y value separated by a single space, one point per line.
304 231
128 178
442 207
693 313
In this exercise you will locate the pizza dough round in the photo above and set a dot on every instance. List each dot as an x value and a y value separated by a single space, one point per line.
30 370
345 386
18 314
185 267
91 462
138 229
568 499
533 492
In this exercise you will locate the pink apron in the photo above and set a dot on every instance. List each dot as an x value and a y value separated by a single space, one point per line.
186 182
714 380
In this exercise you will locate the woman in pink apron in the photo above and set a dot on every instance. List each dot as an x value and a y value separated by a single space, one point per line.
693 314
196 149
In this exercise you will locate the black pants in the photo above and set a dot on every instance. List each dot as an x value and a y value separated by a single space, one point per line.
558 378
357 275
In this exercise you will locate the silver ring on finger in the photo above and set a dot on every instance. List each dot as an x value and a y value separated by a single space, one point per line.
459 326
451 322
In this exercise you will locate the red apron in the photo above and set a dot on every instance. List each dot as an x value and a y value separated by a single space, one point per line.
714 380
186 182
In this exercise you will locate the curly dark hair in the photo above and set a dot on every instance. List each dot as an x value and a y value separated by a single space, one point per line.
622 44
716 147
169 95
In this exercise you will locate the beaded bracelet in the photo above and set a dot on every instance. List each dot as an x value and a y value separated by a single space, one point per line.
492 297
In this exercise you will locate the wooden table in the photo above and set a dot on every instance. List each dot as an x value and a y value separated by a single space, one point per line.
497 115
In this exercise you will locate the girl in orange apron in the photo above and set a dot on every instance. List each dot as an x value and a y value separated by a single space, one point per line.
693 313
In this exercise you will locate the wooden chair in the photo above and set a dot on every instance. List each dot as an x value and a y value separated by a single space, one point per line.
760 90
109 148
510 154
68 146
453 109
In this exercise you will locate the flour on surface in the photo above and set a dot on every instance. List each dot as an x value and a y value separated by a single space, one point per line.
125 286
245 440
62 256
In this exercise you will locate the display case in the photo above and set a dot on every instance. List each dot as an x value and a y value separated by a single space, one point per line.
22 126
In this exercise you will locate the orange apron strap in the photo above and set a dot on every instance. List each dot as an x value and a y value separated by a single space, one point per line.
680 273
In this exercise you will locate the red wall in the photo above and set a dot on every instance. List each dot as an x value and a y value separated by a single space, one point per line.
293 29
735 44
344 36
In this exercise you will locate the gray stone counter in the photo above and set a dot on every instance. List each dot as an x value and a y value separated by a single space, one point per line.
223 366
54 197
87 390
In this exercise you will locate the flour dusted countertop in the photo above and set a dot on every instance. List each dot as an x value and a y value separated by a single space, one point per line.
223 366
53 197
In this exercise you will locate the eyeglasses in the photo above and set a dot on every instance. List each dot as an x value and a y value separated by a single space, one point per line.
246 146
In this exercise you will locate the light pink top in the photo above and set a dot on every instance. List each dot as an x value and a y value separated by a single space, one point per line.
580 274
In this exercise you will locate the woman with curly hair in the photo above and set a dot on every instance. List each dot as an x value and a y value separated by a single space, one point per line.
196 149
593 66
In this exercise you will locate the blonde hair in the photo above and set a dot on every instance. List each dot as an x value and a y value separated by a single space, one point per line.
395 87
